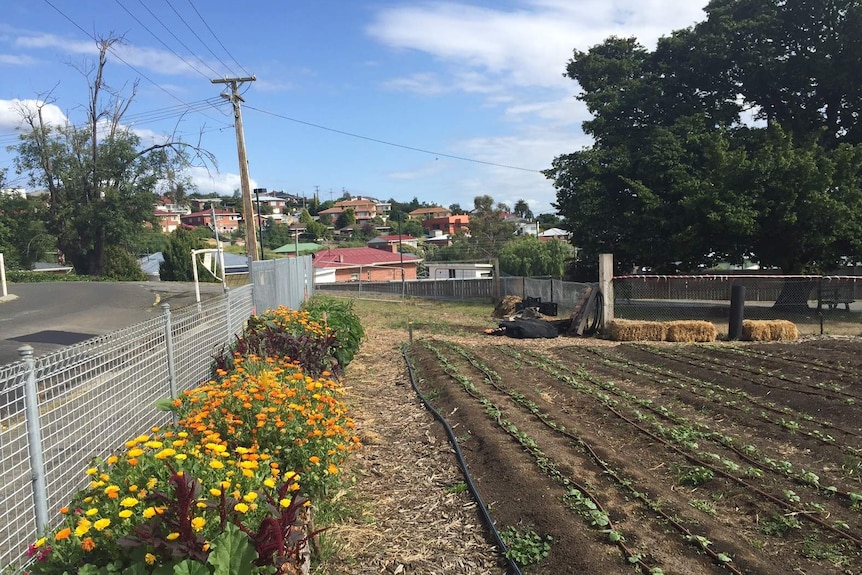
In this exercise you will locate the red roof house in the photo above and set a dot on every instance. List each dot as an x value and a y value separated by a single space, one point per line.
366 264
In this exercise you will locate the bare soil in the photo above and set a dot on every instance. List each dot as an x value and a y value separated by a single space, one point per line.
700 458
667 458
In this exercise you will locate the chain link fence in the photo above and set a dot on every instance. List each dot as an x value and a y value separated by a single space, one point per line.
816 304
61 410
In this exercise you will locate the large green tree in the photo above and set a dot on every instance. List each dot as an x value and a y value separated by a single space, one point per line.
738 137
101 180
488 228
23 239
530 257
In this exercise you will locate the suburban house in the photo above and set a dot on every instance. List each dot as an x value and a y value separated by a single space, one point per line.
168 221
364 209
363 264
391 243
553 234
168 214
453 270
301 248
227 222
430 213
438 238
446 225
275 206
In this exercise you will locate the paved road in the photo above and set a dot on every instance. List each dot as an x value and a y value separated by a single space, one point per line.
49 316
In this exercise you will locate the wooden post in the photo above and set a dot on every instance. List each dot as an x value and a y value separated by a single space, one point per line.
606 286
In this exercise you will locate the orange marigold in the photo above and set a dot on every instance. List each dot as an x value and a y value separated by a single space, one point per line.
88 544
63 534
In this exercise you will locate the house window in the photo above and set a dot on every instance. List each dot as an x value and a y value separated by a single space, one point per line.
451 274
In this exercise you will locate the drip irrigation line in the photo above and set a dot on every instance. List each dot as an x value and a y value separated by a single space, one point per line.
489 522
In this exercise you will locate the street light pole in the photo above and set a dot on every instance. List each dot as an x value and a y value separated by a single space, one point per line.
401 253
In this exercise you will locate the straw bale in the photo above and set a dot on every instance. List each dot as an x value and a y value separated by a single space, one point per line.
507 306
691 331
769 330
628 330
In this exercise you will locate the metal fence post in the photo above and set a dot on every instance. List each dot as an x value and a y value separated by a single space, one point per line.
34 440
227 313
169 347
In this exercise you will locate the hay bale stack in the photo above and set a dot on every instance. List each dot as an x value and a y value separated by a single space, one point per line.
691 331
507 305
627 330
769 330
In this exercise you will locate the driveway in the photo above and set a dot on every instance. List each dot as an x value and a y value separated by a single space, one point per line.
51 315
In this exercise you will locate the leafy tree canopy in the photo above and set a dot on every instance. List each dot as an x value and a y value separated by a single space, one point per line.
101 182
736 138
530 257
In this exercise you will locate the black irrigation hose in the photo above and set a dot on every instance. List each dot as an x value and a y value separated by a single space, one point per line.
513 566
593 327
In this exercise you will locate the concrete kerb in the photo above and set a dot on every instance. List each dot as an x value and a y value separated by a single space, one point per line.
8 298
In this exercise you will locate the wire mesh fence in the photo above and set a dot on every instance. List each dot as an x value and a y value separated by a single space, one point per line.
89 399
816 304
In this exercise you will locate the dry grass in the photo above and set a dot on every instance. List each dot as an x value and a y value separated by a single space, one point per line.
691 331
769 330
625 330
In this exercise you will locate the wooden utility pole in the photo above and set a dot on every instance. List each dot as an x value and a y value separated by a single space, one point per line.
247 207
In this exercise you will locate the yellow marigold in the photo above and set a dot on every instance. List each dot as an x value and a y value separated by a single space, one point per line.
135 452
39 542
92 471
83 527
150 558
149 512
125 513
112 491
284 502
154 444
216 464
172 536
142 438
101 524
249 497
91 511
332 470
241 508
152 482
269 482
165 453
215 492
198 523
129 502
112 459
63 534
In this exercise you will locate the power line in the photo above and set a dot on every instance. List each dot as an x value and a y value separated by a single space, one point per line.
402 146
195 34
217 39
162 42
120 58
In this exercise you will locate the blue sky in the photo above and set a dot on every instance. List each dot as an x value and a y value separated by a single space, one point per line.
441 101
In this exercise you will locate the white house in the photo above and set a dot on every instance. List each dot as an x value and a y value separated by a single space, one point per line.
454 270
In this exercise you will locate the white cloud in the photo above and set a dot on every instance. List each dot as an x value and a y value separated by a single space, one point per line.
502 45
222 183
16 60
160 61
12 113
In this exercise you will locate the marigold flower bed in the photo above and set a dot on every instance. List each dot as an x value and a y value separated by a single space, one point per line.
223 489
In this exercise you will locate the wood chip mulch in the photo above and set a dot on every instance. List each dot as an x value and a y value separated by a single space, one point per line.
414 519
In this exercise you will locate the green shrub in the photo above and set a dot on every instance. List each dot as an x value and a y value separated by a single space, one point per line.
339 316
